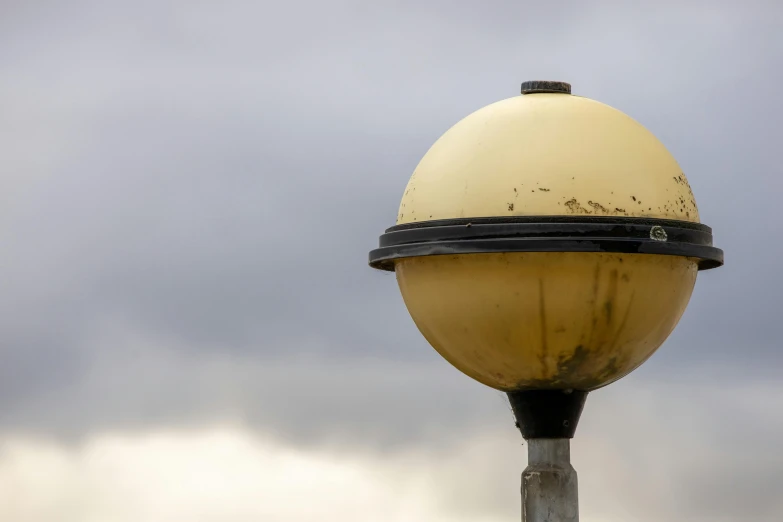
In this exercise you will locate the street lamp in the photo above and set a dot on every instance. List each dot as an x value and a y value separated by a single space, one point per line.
546 245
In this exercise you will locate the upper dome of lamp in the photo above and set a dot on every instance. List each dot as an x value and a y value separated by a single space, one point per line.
547 153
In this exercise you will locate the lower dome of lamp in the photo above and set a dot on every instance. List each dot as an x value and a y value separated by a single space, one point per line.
546 320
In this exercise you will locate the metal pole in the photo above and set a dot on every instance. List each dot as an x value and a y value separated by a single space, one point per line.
549 486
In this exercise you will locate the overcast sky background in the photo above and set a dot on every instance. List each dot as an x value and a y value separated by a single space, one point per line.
189 330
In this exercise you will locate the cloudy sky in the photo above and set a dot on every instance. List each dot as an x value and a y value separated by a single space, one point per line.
188 328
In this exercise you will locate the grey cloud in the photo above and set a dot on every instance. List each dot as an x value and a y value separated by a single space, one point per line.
212 179
697 448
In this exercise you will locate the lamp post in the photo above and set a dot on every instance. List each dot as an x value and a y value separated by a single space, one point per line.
546 245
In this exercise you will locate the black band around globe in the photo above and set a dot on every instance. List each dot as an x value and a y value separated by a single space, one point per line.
547 234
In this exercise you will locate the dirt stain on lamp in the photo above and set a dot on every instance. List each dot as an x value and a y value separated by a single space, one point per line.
546 245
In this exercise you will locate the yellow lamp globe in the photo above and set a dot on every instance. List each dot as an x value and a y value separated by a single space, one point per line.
547 241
